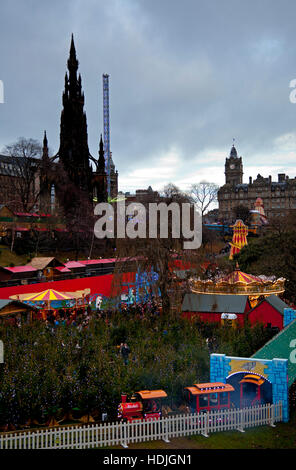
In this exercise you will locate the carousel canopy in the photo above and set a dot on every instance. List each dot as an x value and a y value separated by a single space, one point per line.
239 283
239 276
48 294
51 294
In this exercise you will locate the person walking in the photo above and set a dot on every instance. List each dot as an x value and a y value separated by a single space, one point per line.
124 350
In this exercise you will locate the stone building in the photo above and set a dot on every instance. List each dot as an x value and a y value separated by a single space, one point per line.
19 183
144 196
85 172
278 197
34 184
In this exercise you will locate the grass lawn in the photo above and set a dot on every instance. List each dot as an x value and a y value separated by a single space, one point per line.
283 436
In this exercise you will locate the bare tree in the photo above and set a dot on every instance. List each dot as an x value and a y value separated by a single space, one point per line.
173 192
20 173
160 253
203 194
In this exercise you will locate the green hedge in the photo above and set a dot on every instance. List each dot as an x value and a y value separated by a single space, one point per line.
49 372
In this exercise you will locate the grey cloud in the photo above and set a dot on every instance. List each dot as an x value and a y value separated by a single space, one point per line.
189 75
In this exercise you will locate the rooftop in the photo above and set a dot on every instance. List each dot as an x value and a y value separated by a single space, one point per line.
20 269
214 303
279 347
42 262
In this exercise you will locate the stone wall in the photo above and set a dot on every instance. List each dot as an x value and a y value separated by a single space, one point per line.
274 370
289 316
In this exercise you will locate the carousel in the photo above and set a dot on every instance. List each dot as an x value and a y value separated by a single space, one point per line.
44 300
240 283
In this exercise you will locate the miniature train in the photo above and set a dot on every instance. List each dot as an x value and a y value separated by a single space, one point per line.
147 404
208 396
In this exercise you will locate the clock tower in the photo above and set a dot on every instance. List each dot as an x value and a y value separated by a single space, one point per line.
233 168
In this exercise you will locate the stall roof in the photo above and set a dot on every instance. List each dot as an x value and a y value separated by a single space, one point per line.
41 262
74 264
63 269
20 269
18 307
214 303
107 260
97 261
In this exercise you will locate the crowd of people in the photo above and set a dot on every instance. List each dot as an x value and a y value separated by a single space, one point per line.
141 310
81 316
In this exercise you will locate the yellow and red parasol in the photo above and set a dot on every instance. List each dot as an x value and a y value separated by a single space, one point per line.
48 294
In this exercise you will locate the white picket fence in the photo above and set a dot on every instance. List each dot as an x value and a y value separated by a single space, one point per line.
112 434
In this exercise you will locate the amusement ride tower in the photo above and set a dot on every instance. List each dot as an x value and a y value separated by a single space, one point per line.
107 131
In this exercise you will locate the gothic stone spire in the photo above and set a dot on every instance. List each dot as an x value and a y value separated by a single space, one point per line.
74 152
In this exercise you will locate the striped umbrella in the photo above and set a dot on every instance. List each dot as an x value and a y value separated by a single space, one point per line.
49 294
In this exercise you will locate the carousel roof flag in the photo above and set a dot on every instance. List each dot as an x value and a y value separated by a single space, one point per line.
239 238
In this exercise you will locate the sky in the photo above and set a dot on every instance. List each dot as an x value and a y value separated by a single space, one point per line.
186 78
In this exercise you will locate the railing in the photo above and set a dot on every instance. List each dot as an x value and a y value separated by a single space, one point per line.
112 434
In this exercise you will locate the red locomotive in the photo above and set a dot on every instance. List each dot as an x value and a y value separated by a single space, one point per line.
144 405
